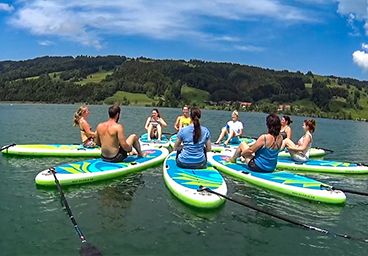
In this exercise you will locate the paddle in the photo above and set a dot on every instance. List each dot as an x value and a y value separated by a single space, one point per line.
345 190
325 149
87 248
7 146
281 217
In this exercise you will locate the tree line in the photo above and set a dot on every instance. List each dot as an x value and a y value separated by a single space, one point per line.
164 79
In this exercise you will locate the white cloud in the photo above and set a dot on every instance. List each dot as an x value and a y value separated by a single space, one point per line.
249 48
360 58
87 22
46 43
6 7
365 47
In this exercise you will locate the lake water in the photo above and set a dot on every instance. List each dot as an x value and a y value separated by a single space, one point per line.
137 215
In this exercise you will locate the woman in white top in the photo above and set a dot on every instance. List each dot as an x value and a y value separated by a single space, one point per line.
300 152
232 130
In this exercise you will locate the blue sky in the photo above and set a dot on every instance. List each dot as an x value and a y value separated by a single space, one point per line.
328 37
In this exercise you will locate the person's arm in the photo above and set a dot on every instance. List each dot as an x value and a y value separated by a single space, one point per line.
122 140
302 147
252 149
147 123
97 138
177 123
177 144
240 129
208 145
87 129
288 133
162 122
240 132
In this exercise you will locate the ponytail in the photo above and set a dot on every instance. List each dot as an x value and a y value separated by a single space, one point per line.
311 123
195 115
78 115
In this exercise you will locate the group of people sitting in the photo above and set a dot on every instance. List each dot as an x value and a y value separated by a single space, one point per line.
193 139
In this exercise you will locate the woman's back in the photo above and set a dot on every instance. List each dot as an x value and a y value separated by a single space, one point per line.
193 152
266 157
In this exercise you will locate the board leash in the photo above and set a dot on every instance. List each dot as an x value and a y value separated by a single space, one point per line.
87 249
325 231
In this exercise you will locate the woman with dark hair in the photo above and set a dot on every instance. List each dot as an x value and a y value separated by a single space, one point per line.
196 142
300 152
154 125
262 156
285 131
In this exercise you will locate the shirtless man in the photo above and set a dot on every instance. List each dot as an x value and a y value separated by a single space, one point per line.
110 136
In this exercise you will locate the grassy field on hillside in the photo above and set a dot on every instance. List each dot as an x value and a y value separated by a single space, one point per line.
193 95
95 77
134 98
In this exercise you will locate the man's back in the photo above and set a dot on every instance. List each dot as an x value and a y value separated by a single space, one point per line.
108 136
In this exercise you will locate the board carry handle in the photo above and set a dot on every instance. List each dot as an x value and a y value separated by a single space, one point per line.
7 146
256 208
87 249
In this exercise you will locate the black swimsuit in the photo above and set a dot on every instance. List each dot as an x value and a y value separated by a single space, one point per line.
121 155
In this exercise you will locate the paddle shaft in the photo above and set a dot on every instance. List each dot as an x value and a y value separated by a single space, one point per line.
283 218
87 249
65 202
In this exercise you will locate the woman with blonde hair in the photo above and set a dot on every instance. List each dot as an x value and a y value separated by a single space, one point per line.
80 120
232 130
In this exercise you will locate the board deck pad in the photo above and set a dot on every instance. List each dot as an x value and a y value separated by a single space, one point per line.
189 181
329 166
97 169
281 181
68 150
164 142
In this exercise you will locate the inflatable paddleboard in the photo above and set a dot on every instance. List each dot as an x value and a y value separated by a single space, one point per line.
184 183
283 182
50 150
322 166
96 169
314 152
164 142
219 147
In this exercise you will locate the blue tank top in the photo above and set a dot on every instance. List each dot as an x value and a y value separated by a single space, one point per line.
266 158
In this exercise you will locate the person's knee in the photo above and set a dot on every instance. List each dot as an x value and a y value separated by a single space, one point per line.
134 136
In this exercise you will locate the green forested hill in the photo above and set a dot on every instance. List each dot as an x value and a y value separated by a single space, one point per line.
109 79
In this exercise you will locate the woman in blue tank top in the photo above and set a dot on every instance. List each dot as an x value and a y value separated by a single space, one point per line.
196 143
262 156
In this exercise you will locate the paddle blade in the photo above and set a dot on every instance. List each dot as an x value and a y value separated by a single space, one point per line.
89 250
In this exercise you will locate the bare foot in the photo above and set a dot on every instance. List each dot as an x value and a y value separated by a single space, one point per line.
231 160
142 154
133 152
